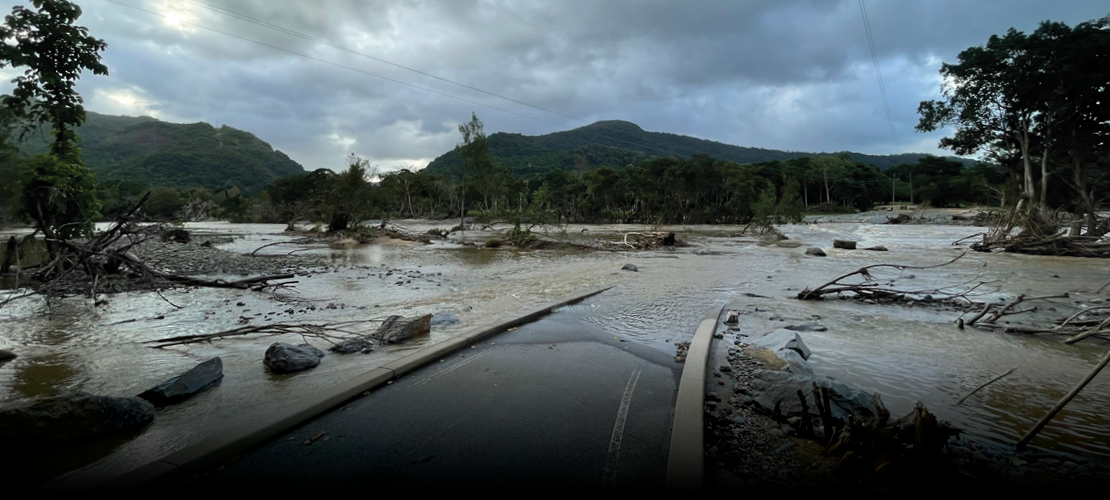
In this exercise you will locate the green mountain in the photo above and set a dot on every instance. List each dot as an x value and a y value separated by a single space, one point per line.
156 153
618 143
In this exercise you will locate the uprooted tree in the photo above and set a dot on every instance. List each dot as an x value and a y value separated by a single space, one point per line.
1039 105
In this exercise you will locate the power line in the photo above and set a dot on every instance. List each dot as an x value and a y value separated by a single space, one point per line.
288 31
303 36
878 72
275 47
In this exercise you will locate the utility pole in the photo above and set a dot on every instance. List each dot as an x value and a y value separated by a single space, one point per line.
892 181
911 188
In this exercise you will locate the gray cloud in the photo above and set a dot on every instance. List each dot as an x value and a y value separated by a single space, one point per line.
790 74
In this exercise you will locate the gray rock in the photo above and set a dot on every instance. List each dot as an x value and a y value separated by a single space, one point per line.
703 251
795 362
782 339
844 244
781 388
732 318
183 386
816 252
808 327
352 345
877 248
70 418
396 329
444 318
630 267
6 355
288 358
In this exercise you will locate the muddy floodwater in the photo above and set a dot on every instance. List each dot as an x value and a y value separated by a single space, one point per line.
906 354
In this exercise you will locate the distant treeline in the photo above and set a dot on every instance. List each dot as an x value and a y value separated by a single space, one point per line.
699 190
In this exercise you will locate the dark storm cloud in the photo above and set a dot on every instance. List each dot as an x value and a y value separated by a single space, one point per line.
787 74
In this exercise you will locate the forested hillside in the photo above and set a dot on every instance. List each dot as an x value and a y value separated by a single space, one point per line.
156 153
619 143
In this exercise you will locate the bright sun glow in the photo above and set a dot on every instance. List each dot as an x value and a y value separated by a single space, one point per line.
178 16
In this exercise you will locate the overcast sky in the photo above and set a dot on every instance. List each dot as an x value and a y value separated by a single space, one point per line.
782 74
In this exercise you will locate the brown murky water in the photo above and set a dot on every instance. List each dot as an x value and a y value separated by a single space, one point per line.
905 354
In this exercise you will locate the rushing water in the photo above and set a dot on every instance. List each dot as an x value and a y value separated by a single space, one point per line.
906 354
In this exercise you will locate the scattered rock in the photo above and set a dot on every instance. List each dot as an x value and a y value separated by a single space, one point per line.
396 329
877 248
181 387
816 252
6 355
808 327
844 244
703 251
349 346
630 267
288 358
444 318
732 317
70 418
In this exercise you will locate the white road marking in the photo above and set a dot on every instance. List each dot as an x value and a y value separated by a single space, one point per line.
609 476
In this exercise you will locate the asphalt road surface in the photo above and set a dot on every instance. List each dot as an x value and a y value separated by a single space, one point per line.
555 403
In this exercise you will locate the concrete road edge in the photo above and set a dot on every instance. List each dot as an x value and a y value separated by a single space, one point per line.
686 458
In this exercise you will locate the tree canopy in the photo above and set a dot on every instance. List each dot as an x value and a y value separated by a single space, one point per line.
1036 104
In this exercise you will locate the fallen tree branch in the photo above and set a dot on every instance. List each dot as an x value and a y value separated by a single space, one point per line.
989 382
1063 402
869 280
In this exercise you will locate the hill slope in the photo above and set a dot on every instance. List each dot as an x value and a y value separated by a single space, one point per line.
617 143
156 153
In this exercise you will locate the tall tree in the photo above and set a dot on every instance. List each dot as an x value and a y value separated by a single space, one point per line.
59 194
474 148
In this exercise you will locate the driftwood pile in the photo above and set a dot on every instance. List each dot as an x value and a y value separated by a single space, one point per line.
1041 234
645 240
106 263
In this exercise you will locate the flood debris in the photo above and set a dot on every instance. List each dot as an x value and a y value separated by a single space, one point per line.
1041 233
863 284
1063 402
115 260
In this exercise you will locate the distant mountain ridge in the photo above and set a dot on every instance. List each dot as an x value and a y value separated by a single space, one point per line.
617 143
152 152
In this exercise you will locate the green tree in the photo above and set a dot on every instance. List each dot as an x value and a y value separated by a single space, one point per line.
474 149
55 53
59 194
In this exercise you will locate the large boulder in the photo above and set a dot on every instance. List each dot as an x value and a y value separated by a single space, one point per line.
844 244
288 358
70 418
6 355
184 386
397 329
630 267
814 251
780 388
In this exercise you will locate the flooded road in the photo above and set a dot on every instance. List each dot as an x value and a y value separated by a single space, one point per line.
906 354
